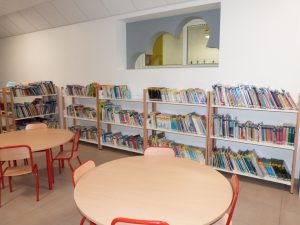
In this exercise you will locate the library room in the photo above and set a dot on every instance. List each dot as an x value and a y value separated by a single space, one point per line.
149 112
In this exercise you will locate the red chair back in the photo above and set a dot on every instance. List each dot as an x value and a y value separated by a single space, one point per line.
17 152
236 190
159 151
33 126
82 170
135 221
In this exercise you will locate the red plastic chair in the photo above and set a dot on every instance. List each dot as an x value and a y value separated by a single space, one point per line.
14 153
136 221
69 155
159 151
33 126
78 173
226 219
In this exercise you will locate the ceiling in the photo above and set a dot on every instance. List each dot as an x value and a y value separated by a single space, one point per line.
25 16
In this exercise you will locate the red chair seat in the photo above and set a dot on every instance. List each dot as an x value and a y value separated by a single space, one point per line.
66 155
17 170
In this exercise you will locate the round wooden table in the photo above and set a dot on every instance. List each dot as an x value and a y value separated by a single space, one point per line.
38 140
177 191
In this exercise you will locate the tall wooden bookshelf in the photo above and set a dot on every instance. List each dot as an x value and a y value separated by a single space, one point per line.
291 149
110 125
154 107
8 115
75 119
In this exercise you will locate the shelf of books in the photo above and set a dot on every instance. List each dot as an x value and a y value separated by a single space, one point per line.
283 137
191 124
80 104
114 115
26 103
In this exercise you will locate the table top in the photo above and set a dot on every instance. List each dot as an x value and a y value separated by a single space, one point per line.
175 190
37 139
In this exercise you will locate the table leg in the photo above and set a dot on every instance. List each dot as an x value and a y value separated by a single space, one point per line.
49 169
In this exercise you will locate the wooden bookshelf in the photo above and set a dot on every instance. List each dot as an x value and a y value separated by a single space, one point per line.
8 100
109 124
74 100
153 108
293 150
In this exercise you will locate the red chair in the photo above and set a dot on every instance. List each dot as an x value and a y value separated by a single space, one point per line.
78 173
69 155
159 151
14 153
135 221
33 126
226 219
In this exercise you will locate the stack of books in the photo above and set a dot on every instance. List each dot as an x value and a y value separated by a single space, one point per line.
79 90
114 92
248 162
253 97
115 114
226 127
34 89
190 123
192 95
134 142
78 110
181 150
36 108
89 133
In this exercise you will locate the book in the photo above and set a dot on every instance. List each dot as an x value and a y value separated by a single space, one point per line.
89 133
191 95
114 92
249 162
89 90
252 97
225 126
78 110
181 150
34 89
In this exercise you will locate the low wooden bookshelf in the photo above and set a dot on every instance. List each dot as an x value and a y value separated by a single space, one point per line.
293 150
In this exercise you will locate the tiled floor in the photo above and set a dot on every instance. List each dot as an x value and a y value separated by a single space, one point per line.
259 203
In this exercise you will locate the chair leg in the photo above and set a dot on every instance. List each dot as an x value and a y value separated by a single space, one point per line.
69 162
79 160
1 174
37 186
0 192
61 149
82 220
10 184
91 223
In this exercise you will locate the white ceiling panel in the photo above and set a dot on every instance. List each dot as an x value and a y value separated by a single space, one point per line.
51 14
70 10
3 32
116 7
8 6
177 1
8 25
93 9
20 22
146 4
33 17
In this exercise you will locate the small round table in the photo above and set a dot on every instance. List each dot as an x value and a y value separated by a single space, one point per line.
177 191
38 140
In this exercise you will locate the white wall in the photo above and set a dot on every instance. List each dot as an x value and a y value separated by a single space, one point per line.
259 45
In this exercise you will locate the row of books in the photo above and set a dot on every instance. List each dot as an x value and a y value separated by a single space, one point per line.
224 126
89 90
86 132
181 150
134 142
35 108
78 110
114 113
51 122
190 123
192 95
249 162
34 89
253 97
114 92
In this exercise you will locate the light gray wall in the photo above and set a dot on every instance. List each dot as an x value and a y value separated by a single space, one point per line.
141 35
